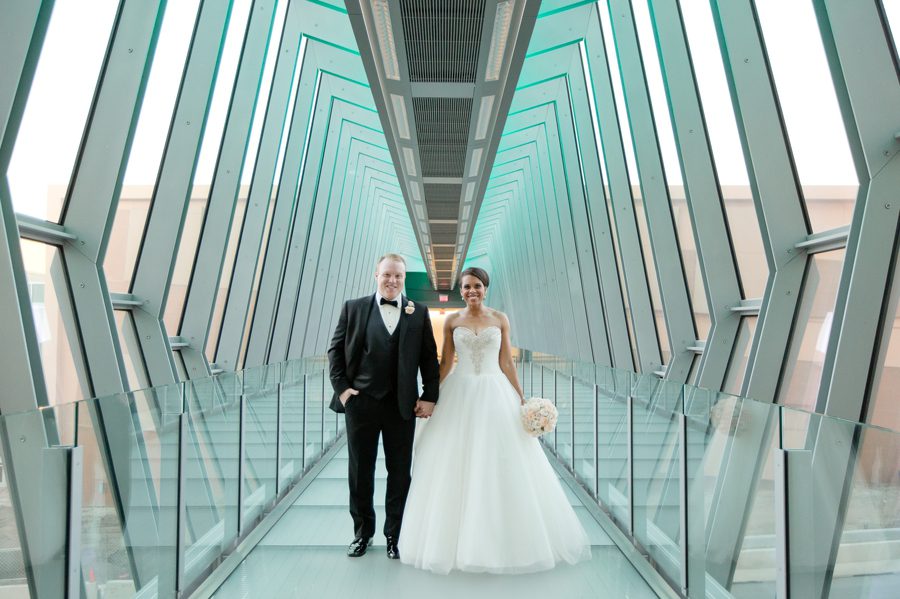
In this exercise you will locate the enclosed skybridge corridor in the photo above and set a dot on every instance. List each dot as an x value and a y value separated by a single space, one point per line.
688 209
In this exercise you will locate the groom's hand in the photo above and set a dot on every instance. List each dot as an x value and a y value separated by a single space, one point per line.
346 395
424 409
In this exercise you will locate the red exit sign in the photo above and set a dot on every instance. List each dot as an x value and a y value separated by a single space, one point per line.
443 298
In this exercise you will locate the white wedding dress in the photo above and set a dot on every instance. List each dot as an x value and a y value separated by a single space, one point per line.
483 496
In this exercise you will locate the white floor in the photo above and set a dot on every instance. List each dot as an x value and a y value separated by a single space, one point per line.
304 556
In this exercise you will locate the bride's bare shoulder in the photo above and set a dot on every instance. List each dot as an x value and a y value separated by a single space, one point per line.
499 317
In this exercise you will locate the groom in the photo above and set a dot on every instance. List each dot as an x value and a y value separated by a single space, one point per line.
378 346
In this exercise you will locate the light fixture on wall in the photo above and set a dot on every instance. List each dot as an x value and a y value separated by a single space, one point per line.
384 30
499 37
409 157
400 116
484 116
475 162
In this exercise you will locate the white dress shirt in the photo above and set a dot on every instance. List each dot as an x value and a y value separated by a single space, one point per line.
389 314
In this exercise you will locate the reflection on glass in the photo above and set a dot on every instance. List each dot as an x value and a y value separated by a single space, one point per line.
737 367
726 146
812 329
237 225
131 351
149 141
884 409
61 355
57 107
691 261
808 105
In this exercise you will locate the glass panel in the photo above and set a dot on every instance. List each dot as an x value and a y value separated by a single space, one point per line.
725 142
131 351
211 469
562 433
292 406
812 328
656 464
810 110
149 141
585 448
691 261
649 264
57 107
260 440
136 449
184 264
612 433
314 404
737 367
884 409
259 269
54 321
237 225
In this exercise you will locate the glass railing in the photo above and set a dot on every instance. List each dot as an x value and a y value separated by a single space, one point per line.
727 496
143 494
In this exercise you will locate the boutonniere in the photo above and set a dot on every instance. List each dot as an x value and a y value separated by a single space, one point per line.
410 307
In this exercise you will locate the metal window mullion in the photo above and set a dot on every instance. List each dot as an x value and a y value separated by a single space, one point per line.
346 233
359 258
171 195
637 286
679 318
209 260
600 227
703 194
779 203
580 223
308 207
20 46
259 200
297 149
569 184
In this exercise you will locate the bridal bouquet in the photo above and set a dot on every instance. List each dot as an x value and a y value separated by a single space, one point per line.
538 416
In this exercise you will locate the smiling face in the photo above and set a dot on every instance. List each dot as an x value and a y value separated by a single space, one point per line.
390 275
472 290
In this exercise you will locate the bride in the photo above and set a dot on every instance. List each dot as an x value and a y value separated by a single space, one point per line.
483 496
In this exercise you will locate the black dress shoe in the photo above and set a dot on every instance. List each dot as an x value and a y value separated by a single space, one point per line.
392 551
358 547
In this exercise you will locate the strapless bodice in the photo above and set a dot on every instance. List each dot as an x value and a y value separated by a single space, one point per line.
477 353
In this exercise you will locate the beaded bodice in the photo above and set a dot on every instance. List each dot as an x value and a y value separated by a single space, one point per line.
478 353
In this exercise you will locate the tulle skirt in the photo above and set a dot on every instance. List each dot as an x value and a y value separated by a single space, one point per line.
483 496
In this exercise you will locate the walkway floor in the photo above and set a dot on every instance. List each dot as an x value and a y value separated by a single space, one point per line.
303 556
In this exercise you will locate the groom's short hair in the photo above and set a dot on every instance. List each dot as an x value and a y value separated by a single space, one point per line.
391 257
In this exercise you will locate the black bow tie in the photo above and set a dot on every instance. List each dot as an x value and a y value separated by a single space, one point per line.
393 302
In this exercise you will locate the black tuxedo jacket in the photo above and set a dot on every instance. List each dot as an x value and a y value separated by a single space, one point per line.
417 351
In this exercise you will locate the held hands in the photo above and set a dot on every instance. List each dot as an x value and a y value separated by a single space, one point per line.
424 409
345 396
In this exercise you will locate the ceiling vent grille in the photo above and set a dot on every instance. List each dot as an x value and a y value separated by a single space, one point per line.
443 38
442 200
442 130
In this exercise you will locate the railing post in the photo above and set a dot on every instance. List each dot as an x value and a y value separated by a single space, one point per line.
794 527
322 406
303 424
597 442
683 500
278 449
572 406
242 447
73 544
181 509
629 468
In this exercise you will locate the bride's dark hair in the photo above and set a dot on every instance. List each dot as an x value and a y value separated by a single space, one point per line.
478 273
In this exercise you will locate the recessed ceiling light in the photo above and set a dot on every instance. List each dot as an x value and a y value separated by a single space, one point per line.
499 37
484 116
410 158
399 105
384 30
475 162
